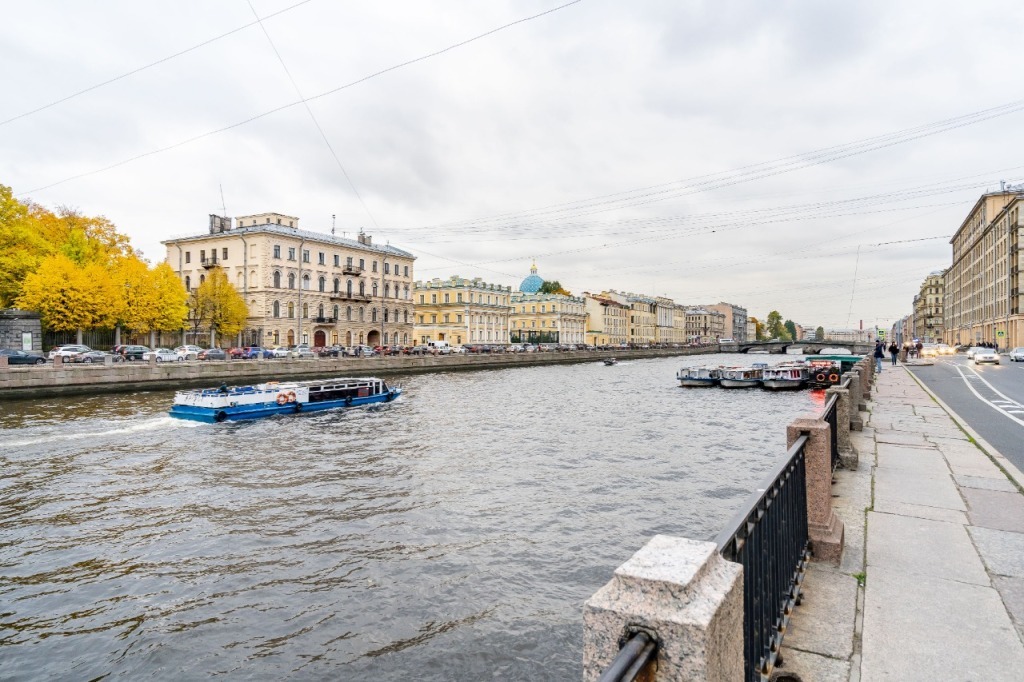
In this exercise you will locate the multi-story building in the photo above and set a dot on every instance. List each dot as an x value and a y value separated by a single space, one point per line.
704 326
982 297
928 308
735 320
302 286
459 311
607 320
850 335
751 329
665 331
546 318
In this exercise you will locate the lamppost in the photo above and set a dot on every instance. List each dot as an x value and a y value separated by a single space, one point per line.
383 301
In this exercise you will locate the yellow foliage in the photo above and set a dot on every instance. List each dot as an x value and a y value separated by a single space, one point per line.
218 306
69 297
172 299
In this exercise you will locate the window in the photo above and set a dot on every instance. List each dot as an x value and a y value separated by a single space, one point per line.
387 291
433 319
202 278
446 318
336 317
202 255
337 260
348 260
374 268
337 285
385 314
362 288
406 270
542 309
322 258
291 310
305 255
188 283
305 282
291 280
421 319
348 288
375 290
188 256
458 297
322 284
458 318
277 279
277 250
291 253
362 264
387 268
421 299
405 316
320 311
348 313
305 310
224 254
433 298
447 298
277 309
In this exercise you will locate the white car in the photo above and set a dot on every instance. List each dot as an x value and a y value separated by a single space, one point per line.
1017 354
163 355
945 349
66 351
985 355
188 352
972 350
281 352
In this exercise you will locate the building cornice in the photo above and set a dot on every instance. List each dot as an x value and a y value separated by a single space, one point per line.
310 237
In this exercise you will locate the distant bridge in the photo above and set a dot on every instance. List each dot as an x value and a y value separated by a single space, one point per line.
809 347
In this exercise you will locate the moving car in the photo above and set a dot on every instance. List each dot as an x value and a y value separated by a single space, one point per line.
1017 354
945 349
929 350
20 357
985 355
213 354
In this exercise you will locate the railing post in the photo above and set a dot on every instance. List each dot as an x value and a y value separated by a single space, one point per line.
856 423
683 592
847 455
867 375
823 526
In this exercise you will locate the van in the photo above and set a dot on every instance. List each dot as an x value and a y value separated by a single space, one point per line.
441 347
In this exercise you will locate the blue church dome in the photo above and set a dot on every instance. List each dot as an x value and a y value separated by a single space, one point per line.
532 284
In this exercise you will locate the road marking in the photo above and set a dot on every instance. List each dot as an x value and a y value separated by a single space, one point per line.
998 392
991 404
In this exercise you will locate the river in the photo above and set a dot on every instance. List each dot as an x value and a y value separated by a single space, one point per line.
451 535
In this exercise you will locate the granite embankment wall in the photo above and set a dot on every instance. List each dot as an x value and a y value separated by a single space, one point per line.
20 382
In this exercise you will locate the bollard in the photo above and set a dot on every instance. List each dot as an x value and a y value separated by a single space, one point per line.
108 360
856 423
3 360
152 360
58 362
847 455
823 526
684 593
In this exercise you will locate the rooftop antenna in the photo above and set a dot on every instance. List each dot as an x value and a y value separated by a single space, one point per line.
332 223
223 206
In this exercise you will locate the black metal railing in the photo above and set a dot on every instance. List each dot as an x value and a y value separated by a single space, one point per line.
831 417
637 652
768 537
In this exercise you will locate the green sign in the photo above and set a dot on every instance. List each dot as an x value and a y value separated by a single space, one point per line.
1000 333
881 333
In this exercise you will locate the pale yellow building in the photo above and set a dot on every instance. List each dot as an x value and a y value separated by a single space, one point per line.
548 318
928 309
982 297
302 286
607 320
704 326
462 311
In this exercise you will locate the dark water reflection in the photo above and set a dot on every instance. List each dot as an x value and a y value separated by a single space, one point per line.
451 535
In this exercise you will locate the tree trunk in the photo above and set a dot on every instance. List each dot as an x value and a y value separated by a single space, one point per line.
78 336
152 339
213 337
117 335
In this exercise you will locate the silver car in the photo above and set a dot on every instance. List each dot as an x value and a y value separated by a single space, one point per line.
1017 354
985 355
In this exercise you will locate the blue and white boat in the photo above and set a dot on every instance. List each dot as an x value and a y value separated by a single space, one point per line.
692 377
743 377
235 403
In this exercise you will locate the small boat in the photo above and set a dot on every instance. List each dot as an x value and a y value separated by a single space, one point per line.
785 376
824 373
758 351
610 361
742 377
692 377
235 403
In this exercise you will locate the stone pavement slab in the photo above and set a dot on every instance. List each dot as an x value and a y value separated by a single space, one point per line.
920 511
812 667
927 628
985 483
917 460
827 614
994 509
921 547
1012 592
1002 551
898 485
902 438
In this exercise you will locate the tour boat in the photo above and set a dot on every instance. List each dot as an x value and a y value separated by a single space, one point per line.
611 361
264 400
742 377
824 373
785 376
699 376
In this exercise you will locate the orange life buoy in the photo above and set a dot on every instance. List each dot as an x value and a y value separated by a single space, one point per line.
282 398
291 396
821 377
833 378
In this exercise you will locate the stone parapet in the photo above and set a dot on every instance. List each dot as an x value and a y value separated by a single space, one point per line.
847 453
823 526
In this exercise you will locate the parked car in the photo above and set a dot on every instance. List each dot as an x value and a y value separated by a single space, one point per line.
236 352
419 350
162 355
213 354
188 352
280 352
364 351
66 351
21 357
92 356
985 355
302 351
133 353
332 352
254 352
1017 354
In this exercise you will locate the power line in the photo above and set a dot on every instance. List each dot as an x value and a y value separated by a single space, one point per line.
148 66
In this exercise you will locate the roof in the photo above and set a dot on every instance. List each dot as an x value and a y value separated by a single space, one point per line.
301 234
533 282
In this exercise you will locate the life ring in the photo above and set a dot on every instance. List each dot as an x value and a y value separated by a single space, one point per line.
220 416
291 396
348 401
820 377
833 378
282 398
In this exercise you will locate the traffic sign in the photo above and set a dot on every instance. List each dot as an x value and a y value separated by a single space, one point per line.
1000 333
881 333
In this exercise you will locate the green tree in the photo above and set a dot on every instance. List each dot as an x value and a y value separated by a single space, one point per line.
819 334
758 329
217 306
774 328
790 326
553 287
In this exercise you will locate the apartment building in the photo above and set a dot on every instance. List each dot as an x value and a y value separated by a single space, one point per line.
607 320
462 311
735 320
546 318
704 326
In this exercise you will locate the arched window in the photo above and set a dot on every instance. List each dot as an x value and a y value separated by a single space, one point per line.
202 278
291 310
362 288
373 315
188 283
305 282
405 316
385 316
305 310
291 280
322 283
337 285
348 313
277 279
348 288
387 291
320 310
395 318
361 318
375 290
335 313
277 309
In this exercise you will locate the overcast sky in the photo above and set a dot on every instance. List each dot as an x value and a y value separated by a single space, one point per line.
706 151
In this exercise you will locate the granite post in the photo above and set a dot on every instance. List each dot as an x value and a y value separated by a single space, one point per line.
3 360
823 526
58 362
683 593
856 401
847 454
152 360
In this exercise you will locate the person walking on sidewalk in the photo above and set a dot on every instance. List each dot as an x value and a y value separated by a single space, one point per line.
894 351
879 355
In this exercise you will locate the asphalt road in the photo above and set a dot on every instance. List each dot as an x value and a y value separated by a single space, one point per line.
990 398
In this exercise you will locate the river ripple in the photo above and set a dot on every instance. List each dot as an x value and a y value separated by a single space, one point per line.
451 535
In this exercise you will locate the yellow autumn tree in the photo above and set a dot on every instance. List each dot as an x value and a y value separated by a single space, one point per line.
171 299
70 297
22 245
216 305
138 294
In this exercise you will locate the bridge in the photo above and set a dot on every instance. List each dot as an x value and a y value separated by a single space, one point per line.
809 347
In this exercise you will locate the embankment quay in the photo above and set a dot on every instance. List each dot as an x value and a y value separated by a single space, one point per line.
65 379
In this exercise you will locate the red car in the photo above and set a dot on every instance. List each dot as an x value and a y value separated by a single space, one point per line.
236 353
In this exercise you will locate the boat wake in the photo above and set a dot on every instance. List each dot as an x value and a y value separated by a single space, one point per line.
153 424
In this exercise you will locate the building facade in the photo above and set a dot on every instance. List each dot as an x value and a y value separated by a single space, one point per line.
302 286
928 309
546 318
704 326
982 298
735 320
607 320
462 311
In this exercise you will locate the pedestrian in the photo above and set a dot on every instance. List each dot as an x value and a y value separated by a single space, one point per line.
879 355
894 351
918 346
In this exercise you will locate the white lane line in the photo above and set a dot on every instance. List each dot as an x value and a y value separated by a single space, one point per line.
995 390
992 405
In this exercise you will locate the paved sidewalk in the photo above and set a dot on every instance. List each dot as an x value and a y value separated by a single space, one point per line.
935 532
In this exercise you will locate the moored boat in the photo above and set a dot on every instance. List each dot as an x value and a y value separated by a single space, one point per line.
693 377
785 376
742 377
824 373
264 400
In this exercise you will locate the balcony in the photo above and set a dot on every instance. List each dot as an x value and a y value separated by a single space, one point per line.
345 296
324 320
210 262
350 269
